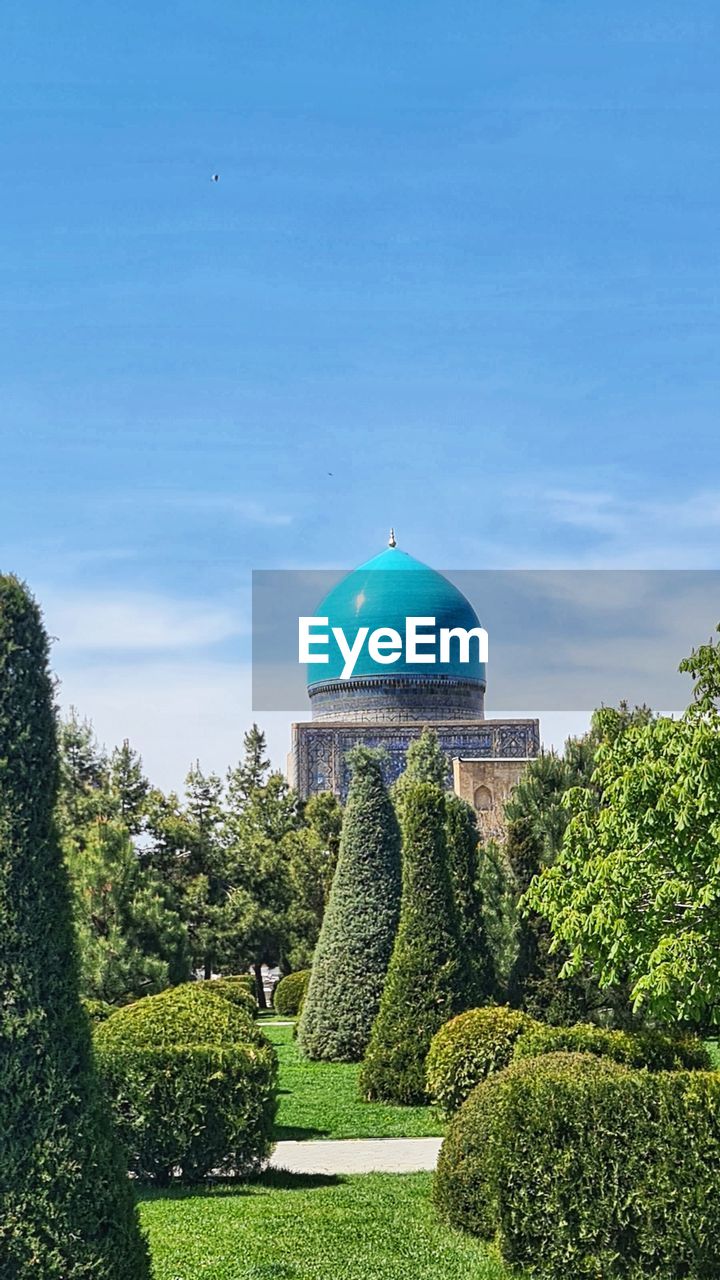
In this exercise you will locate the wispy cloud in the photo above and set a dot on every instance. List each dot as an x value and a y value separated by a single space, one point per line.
87 622
228 506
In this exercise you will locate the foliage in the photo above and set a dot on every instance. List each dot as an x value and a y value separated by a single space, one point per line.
194 1013
239 990
187 1109
290 993
462 837
376 1226
469 1048
312 853
131 939
635 888
428 978
587 1169
655 1050
53 1121
359 926
96 1010
497 892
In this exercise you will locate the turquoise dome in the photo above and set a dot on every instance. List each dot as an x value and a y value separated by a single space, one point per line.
383 593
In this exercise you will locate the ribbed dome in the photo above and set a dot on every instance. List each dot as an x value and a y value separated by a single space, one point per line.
383 593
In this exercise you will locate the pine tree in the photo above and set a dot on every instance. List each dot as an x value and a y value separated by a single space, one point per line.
65 1200
357 933
462 837
428 980
129 786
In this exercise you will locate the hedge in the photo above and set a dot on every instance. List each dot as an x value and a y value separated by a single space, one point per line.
185 1110
654 1050
290 993
467 1049
190 1014
581 1167
236 990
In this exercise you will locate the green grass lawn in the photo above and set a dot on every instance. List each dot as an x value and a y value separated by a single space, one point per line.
321 1100
375 1226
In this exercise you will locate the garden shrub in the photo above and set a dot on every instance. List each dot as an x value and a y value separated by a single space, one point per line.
290 993
236 990
428 978
655 1050
66 1204
583 1168
188 1109
360 921
97 1010
189 1014
468 1048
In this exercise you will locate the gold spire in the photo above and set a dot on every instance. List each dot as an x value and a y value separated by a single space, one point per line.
391 539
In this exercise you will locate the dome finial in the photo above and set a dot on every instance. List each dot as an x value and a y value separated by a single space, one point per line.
391 539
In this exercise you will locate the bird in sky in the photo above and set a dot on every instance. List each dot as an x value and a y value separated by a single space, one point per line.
216 177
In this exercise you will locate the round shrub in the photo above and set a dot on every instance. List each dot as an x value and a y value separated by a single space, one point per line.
653 1050
467 1049
236 990
189 1014
581 1167
185 1110
191 1080
290 993
96 1010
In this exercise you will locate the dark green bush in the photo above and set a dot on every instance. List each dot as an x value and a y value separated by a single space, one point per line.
97 1010
290 993
236 990
189 1014
467 1049
185 1110
358 929
655 1050
583 1168
66 1204
428 979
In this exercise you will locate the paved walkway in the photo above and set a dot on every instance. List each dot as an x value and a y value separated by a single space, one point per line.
357 1155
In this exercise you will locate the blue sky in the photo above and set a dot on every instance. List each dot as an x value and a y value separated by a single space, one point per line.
460 274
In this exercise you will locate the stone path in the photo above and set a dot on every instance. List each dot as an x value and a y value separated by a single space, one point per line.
357 1155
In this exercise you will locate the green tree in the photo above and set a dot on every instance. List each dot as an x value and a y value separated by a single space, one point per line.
462 836
128 786
131 941
428 979
635 888
359 926
66 1204
312 853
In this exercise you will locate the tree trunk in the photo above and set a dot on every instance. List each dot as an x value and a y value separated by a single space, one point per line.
207 974
259 988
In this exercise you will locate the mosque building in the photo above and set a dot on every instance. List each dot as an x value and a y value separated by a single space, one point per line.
389 706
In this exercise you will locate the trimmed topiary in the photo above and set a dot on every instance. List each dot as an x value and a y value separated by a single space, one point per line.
466 1187
654 1050
290 992
66 1205
186 1110
581 1167
428 979
237 991
190 1014
462 835
469 1048
97 1010
359 926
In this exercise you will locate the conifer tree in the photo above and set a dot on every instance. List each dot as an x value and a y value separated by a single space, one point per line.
462 836
66 1204
428 980
358 930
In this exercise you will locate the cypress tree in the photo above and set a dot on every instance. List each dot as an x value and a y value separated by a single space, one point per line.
462 845
428 980
66 1206
358 930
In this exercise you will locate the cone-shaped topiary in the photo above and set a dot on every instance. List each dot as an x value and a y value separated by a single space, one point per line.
462 836
358 930
428 980
66 1205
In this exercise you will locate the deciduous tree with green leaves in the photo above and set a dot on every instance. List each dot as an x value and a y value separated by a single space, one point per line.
635 889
